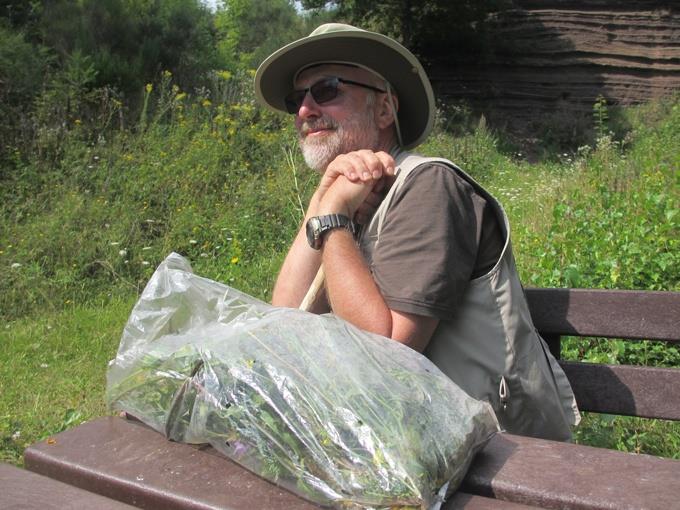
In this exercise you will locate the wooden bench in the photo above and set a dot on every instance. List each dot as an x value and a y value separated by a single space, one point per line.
649 392
125 460
21 489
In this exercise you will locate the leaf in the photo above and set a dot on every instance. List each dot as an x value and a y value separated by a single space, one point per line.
71 418
573 276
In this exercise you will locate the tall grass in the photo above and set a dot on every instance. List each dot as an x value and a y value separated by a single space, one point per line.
214 177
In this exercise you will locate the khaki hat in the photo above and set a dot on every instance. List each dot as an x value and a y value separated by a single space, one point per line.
345 44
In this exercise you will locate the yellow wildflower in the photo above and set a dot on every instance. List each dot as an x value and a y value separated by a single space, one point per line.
234 260
149 88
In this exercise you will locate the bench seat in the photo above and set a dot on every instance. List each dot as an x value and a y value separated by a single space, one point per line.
126 460
22 489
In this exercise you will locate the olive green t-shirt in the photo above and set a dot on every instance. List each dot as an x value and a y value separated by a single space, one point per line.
438 234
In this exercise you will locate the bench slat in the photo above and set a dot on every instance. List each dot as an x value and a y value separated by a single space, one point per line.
607 313
648 392
21 489
550 474
131 462
128 461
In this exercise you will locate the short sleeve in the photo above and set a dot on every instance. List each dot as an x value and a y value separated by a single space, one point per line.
428 243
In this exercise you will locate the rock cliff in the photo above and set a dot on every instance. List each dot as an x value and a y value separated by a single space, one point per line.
552 55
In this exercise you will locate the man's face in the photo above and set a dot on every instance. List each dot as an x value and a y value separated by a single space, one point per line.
341 125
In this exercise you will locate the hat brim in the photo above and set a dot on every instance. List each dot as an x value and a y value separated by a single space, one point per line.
275 76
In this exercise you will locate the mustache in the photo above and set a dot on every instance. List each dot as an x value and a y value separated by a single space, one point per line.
320 123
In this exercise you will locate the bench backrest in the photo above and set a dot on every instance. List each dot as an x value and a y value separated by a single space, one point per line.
649 392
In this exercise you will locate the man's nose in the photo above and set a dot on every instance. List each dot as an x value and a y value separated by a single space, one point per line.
309 107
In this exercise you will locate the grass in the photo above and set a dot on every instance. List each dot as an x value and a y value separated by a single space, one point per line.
53 372
83 225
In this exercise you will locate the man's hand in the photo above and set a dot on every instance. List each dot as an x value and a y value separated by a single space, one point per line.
360 167
344 197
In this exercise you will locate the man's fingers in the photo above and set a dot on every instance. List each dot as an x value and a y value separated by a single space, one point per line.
362 165
387 162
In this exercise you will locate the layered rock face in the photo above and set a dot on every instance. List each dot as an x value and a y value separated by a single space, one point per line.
550 55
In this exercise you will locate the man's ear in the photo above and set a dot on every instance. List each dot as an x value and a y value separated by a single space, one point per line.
385 113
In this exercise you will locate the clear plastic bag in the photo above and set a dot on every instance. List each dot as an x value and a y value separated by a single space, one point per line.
337 415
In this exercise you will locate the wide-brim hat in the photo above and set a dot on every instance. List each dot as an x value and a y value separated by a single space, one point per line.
340 43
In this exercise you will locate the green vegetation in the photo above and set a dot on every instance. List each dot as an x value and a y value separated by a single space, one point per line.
222 183
98 184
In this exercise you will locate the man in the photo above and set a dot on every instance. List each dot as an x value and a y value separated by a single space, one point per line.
433 266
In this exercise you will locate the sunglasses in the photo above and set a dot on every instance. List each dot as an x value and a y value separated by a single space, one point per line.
322 91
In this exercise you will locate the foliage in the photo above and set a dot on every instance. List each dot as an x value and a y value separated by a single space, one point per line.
240 46
600 116
426 27
22 66
128 41
196 179
86 216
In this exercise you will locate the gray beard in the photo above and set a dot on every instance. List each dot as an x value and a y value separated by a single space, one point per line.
357 132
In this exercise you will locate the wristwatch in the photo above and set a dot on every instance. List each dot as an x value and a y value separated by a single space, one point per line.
317 226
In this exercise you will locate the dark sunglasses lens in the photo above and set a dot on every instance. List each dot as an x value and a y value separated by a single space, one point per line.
324 91
294 100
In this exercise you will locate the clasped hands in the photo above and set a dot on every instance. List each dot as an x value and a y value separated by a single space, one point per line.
354 184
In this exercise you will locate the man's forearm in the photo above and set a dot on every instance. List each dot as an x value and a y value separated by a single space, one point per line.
299 268
297 273
350 287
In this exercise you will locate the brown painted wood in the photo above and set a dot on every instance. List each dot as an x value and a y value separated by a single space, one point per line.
550 474
21 489
129 461
606 313
126 460
462 500
649 392
634 391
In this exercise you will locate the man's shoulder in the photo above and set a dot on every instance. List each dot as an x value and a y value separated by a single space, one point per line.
408 161
438 172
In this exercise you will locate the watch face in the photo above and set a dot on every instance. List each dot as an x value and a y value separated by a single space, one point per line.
313 230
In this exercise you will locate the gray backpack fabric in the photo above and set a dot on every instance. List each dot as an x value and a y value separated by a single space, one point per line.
489 346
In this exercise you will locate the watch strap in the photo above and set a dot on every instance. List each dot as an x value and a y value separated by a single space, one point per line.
330 221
